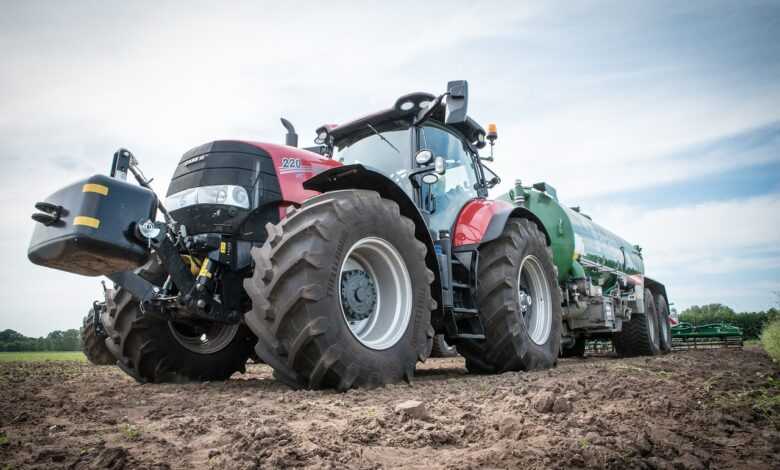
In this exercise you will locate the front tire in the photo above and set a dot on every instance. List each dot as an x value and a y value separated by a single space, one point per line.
93 344
519 303
341 294
150 349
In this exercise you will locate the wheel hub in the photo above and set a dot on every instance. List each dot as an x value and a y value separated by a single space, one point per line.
525 300
207 339
358 294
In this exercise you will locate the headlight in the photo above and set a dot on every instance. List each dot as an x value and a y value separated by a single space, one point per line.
227 195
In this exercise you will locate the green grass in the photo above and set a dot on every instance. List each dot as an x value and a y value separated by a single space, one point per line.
130 432
770 340
40 356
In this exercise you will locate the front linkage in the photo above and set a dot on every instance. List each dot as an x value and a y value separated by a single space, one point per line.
189 292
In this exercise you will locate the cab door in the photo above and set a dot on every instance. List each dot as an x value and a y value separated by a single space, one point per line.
458 185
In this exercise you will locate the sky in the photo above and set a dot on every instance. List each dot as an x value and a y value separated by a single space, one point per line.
660 119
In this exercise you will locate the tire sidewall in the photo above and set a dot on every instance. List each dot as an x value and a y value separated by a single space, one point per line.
190 365
664 329
545 355
652 321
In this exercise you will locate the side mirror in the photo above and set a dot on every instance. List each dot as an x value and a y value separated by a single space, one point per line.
439 165
457 102
423 157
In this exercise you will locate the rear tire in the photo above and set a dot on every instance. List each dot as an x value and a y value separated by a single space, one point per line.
341 294
153 350
639 336
93 344
664 329
576 350
441 348
519 336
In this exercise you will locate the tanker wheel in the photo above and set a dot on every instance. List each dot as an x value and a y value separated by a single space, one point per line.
519 303
576 350
341 294
664 329
93 344
441 348
640 335
154 350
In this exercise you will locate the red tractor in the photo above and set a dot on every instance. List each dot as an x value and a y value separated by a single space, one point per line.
337 265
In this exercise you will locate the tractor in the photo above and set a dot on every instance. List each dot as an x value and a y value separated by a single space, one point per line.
341 264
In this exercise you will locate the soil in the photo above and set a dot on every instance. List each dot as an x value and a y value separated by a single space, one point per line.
696 409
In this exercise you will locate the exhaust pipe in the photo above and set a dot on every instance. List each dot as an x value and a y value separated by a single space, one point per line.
291 138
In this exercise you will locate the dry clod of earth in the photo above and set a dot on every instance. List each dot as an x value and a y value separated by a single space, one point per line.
412 409
561 405
699 409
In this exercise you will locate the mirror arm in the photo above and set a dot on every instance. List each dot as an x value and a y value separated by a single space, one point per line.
420 171
495 180
424 115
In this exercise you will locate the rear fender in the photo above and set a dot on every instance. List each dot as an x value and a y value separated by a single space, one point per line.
481 221
359 177
656 287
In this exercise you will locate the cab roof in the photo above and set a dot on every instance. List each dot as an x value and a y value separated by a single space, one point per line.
402 113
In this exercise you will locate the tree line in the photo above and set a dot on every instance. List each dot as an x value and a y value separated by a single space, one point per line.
57 340
751 323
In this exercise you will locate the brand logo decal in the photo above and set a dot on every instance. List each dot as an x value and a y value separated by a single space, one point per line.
193 160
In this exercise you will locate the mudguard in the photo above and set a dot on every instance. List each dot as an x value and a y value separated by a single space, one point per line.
656 287
482 220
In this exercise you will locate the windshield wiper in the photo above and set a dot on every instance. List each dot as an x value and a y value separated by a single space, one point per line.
383 138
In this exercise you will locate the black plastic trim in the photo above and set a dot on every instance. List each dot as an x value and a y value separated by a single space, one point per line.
499 220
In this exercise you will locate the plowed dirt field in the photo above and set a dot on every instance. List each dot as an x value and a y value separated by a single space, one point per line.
697 409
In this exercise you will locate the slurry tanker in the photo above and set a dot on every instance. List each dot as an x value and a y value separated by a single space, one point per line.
601 277
344 264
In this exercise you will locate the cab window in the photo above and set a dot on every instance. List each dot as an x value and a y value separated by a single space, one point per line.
459 183
389 156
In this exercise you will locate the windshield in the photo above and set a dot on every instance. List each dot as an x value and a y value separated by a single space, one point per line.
390 157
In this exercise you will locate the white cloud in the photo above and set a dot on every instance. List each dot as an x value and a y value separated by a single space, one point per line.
607 144
736 240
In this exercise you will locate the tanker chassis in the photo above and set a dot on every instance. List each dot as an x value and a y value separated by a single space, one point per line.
339 265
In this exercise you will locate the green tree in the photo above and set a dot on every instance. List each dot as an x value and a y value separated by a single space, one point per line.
712 313
70 340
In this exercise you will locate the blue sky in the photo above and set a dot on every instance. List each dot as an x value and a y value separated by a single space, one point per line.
661 119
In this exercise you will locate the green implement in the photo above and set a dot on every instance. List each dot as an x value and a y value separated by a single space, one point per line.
711 336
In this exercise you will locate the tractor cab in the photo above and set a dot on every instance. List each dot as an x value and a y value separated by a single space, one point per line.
425 144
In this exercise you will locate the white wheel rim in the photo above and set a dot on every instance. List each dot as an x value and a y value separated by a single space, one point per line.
535 299
217 337
386 321
663 325
651 325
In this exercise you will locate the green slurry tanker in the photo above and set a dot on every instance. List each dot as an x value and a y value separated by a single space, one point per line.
345 264
604 290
